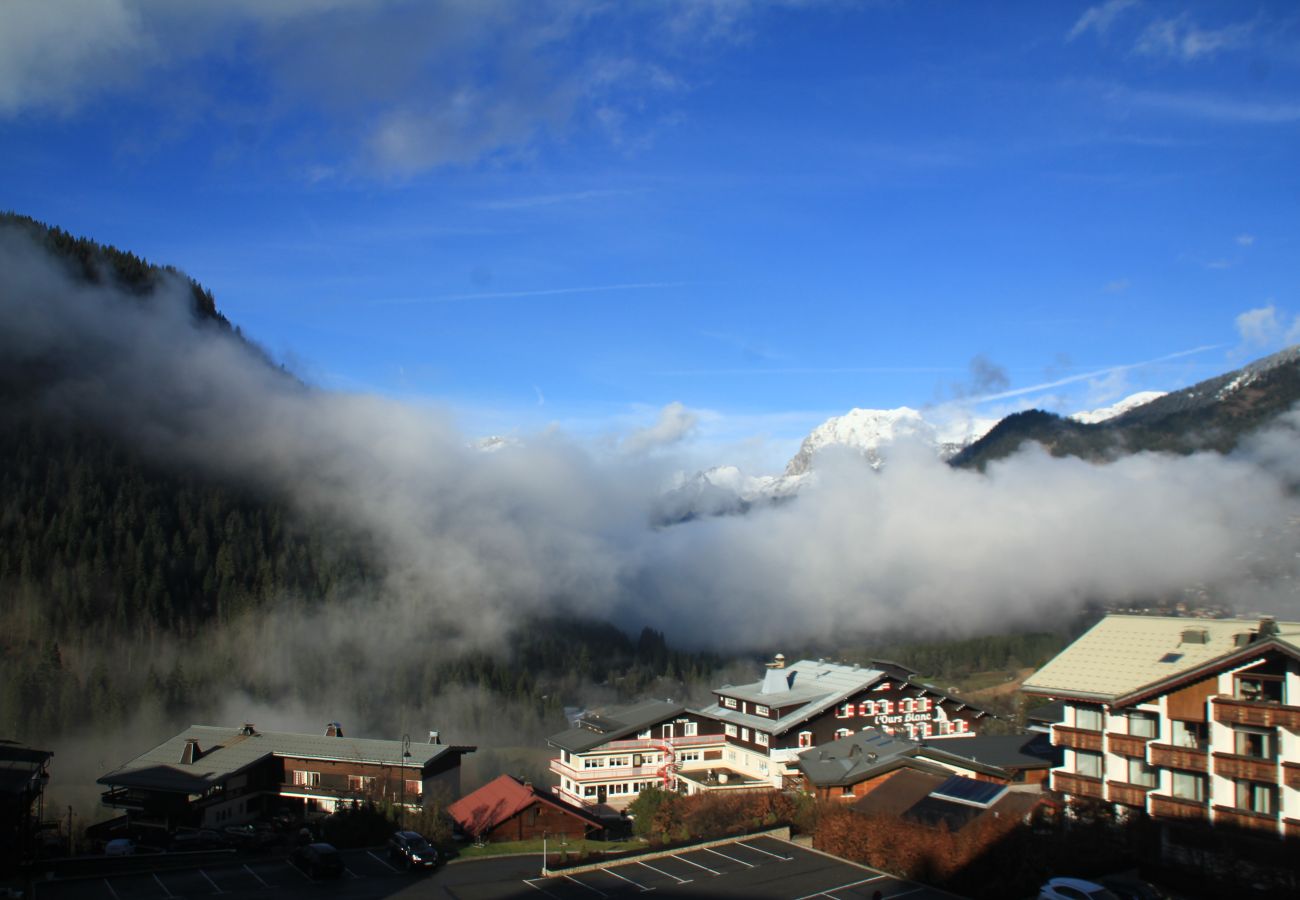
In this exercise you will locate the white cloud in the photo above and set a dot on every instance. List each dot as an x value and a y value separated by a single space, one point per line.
1181 39
1212 107
1266 327
1245 240
1099 18
675 423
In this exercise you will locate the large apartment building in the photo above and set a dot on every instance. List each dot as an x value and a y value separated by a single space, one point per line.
1186 719
751 736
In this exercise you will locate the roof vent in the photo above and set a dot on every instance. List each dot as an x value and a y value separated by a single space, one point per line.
778 662
333 729
1195 636
1242 639
871 757
248 729
1267 627
435 738
191 752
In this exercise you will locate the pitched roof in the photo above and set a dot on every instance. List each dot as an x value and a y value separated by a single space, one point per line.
224 751
502 798
614 724
872 752
1122 654
811 686
1008 751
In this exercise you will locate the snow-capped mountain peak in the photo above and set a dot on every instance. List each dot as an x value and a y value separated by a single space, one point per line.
1116 409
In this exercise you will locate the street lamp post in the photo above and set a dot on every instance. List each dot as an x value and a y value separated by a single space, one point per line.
401 774
544 834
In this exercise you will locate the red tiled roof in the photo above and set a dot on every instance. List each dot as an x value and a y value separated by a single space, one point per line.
502 798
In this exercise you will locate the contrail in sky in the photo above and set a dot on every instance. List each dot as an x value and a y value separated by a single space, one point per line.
1096 373
545 292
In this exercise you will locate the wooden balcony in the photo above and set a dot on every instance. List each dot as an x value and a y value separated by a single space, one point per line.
1165 807
1076 738
1292 828
1127 794
1127 745
1188 759
1244 819
1078 785
1230 765
1231 711
1291 775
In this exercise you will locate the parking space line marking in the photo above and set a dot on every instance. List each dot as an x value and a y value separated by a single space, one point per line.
211 882
350 872
761 850
255 875
300 872
625 878
840 887
662 872
587 886
382 862
697 865
108 885
163 886
543 890
732 858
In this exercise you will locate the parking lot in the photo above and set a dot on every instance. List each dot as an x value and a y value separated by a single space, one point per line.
758 868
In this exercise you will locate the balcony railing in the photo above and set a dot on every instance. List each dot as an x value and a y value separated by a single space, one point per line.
1128 794
607 773
1189 759
699 740
1247 819
1165 807
1078 785
1230 765
123 798
1291 775
1127 745
1262 714
1076 738
1292 828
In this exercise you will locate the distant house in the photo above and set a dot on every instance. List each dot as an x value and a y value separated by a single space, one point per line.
853 766
1192 721
212 776
750 738
24 773
511 809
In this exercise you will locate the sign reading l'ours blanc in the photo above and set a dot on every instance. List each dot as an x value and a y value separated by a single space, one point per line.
904 718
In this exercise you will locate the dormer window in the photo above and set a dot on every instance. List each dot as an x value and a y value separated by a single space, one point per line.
760 710
729 702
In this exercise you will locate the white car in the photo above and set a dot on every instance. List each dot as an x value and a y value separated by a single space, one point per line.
1074 889
120 847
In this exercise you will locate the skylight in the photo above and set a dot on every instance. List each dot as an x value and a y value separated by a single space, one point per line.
1171 657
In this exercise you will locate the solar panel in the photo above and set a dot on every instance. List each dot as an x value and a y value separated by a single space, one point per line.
960 789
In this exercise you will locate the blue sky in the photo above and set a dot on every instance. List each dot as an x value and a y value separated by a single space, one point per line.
577 212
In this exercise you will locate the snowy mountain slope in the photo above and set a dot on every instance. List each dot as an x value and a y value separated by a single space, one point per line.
1133 401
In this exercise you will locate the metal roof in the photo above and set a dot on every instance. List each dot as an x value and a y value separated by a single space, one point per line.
614 724
815 685
224 751
1123 653
872 752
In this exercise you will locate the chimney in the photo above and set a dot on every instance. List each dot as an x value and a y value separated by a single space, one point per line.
528 785
248 729
333 729
778 662
191 753
1267 627
434 738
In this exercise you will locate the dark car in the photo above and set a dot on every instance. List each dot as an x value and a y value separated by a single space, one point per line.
412 850
250 837
318 859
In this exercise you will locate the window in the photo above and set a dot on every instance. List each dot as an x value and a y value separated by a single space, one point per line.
617 761
361 782
960 726
761 738
924 729
905 705
1260 743
744 734
884 707
414 787
1259 688
842 733
1257 797
594 762
1087 718
844 711
1140 773
729 729
589 790
867 708
761 710
922 704
1189 786
805 739
691 729
1143 724
306 779
689 756
1189 734
644 735
564 755
1088 764
846 791
729 702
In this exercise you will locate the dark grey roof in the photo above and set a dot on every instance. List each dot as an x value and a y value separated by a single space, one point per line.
873 752
614 724
1007 751
224 751
20 766
1047 713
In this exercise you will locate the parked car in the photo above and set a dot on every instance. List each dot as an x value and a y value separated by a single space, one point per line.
318 859
120 847
412 850
250 837
1074 889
